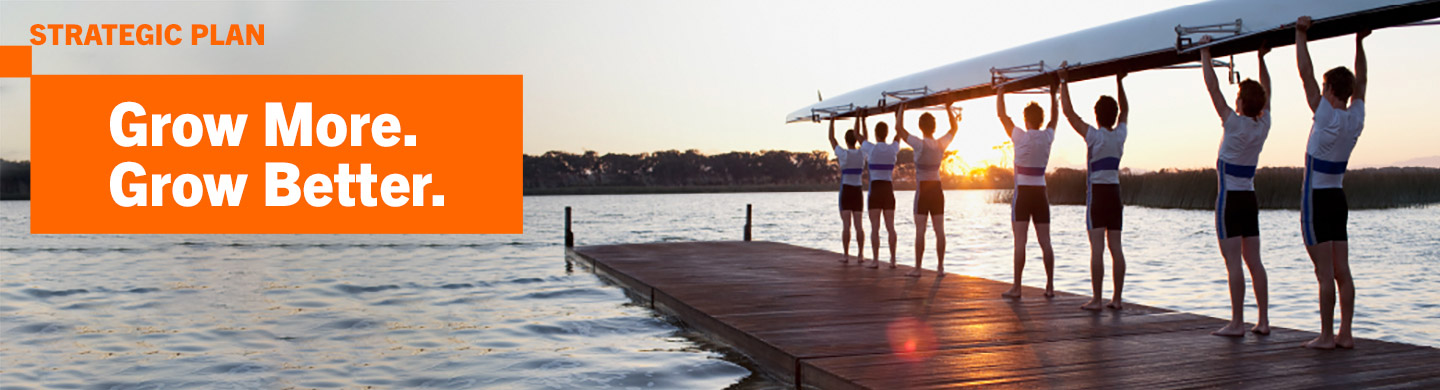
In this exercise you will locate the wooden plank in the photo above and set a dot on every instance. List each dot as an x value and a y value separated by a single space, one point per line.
1155 360
807 320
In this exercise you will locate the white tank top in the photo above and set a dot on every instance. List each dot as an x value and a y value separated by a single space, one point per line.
1032 154
852 165
880 158
929 154
1332 138
1105 149
1240 150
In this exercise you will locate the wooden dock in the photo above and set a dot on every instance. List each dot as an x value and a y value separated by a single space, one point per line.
806 319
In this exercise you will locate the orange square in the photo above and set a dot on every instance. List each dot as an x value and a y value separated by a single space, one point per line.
15 61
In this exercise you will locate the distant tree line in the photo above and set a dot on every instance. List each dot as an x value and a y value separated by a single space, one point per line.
692 171
675 168
14 180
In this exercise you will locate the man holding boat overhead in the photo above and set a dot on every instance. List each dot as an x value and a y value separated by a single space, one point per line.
1029 202
851 202
1103 210
1339 117
929 196
1237 210
880 157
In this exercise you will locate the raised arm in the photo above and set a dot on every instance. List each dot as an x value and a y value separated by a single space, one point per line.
1054 106
1264 71
1075 122
900 132
1000 110
861 129
833 143
1360 65
898 135
1212 83
954 119
1302 59
1124 103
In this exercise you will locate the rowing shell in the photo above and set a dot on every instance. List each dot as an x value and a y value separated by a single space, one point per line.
1157 40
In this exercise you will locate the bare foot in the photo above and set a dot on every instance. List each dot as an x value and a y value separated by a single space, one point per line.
873 265
914 274
1262 328
892 264
940 269
1345 341
845 260
1233 329
1322 342
1093 305
1014 293
1049 290
1115 304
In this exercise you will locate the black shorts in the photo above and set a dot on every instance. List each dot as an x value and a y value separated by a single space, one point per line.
1030 202
882 195
1323 214
1103 208
1237 214
929 198
852 198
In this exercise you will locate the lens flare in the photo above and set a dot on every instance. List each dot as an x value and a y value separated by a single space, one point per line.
910 339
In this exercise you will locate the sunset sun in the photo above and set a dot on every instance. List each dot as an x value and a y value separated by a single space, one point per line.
973 158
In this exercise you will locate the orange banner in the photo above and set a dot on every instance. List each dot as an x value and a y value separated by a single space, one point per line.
374 154
14 61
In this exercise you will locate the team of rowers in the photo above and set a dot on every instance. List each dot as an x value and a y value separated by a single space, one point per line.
1339 110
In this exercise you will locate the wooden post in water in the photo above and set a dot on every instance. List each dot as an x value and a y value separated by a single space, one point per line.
747 222
569 236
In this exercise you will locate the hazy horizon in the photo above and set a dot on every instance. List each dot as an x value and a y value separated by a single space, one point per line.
720 77
1421 162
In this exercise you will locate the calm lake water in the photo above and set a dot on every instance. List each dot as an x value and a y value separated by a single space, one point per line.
508 312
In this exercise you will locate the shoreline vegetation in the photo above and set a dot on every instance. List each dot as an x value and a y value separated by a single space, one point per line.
673 172
14 180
